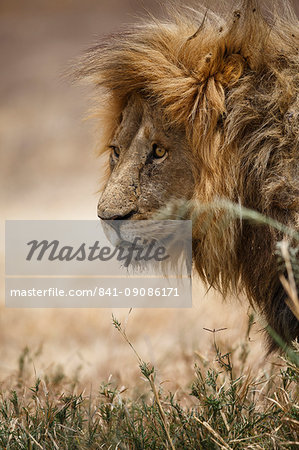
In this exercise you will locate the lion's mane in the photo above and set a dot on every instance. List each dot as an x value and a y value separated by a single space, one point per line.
232 83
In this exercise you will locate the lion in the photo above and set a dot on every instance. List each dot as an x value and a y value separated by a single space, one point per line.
200 107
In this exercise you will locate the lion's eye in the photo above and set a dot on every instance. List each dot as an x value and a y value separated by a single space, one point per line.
158 152
115 150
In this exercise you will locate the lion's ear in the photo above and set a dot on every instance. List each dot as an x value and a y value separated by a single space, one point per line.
209 105
198 101
232 68
218 72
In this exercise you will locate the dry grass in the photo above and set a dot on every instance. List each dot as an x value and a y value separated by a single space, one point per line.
222 404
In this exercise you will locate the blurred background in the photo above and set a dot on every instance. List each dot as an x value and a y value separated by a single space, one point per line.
49 171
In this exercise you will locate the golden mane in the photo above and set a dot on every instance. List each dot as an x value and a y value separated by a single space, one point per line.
233 86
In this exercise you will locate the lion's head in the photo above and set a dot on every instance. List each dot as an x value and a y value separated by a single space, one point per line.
150 163
202 107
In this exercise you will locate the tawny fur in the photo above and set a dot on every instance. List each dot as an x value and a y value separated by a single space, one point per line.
233 86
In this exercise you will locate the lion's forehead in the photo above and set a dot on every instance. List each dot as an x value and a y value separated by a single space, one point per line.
145 121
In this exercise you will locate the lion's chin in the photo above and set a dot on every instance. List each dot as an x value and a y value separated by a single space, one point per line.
111 234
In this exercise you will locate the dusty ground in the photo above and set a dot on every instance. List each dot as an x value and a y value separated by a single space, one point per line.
48 171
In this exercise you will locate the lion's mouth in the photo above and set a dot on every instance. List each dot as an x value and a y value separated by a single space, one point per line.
138 226
121 232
